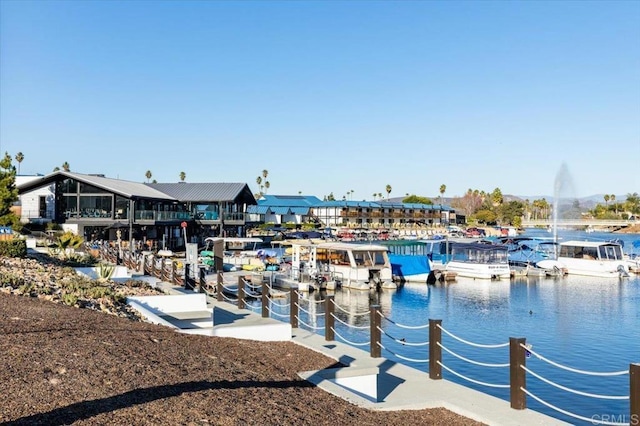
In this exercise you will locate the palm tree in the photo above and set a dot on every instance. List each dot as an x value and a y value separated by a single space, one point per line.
607 197
19 158
148 175
265 173
351 196
259 182
266 186
183 176
388 189
443 188
65 167
613 199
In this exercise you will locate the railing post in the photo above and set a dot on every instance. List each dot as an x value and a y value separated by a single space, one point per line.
187 278
375 321
634 394
517 375
293 306
219 288
174 275
202 281
241 304
329 321
265 300
435 350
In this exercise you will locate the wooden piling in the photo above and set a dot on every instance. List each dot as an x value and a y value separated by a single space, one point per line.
435 351
329 320
517 375
375 321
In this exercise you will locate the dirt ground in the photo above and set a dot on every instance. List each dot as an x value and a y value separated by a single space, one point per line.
66 365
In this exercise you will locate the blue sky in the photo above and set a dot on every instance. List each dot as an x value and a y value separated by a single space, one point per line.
328 96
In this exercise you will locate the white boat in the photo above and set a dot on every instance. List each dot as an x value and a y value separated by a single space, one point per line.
603 259
358 266
478 260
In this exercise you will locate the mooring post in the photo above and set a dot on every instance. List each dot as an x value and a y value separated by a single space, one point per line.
219 287
241 304
634 394
329 321
517 375
375 321
293 306
265 300
202 281
187 278
435 350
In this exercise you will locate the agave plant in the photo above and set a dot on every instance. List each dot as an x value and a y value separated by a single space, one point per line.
105 271
66 243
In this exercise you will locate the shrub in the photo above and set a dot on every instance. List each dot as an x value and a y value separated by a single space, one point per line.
13 248
69 299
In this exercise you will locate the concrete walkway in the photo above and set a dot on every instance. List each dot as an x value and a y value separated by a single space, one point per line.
373 383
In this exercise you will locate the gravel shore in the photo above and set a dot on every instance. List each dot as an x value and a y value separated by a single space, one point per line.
63 365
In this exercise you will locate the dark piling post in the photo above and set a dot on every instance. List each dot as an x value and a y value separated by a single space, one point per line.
174 273
435 351
241 304
329 320
202 281
634 394
219 285
187 279
517 375
293 309
375 321
265 300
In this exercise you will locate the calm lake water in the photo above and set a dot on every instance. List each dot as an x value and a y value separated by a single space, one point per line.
584 323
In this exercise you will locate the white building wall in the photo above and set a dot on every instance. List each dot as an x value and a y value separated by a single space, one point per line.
30 201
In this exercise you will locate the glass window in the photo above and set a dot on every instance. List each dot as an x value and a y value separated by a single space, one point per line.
68 186
90 189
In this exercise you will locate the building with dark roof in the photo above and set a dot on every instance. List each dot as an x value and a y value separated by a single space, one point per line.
94 206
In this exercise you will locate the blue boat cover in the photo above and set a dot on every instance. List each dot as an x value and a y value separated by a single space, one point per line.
403 265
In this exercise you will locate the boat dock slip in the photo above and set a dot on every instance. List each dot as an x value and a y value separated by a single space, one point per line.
372 383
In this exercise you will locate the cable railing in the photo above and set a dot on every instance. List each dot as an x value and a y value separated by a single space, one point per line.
632 397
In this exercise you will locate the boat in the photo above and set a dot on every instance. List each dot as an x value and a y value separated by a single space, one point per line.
481 260
603 259
418 261
533 257
358 266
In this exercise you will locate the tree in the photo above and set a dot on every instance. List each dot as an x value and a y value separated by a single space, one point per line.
469 203
388 189
183 176
612 197
331 197
55 169
414 199
266 186
66 167
19 159
607 197
148 175
486 216
496 197
443 188
8 192
259 182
